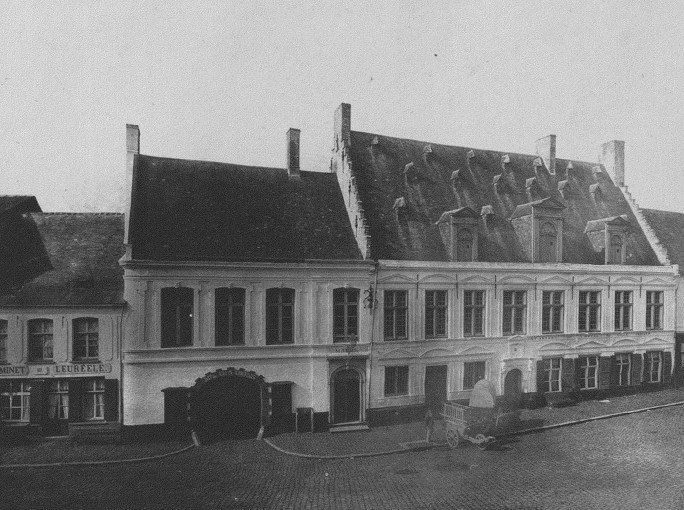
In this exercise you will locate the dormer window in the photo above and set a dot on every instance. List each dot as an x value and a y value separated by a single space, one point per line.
458 229
539 227
609 235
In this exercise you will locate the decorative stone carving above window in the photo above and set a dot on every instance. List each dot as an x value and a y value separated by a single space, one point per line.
609 235
539 228
458 229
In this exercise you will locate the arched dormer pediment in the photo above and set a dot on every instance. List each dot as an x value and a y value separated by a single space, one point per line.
436 353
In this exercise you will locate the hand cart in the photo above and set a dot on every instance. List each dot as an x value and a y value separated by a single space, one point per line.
472 424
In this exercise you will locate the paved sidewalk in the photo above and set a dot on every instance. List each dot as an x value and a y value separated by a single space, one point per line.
388 438
49 451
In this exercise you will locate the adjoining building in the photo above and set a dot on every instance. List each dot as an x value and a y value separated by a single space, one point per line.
529 270
61 323
264 298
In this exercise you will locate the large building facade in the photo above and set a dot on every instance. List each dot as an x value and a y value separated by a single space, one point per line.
61 324
262 298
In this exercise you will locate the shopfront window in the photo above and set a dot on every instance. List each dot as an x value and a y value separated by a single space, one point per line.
15 400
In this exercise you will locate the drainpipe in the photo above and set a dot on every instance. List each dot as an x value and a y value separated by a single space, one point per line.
370 354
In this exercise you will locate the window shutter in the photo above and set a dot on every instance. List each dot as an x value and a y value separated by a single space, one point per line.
605 372
568 376
37 398
637 368
667 367
111 396
540 376
75 399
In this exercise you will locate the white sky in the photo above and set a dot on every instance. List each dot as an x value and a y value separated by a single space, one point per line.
224 80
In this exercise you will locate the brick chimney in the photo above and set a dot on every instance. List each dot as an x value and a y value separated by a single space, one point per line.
546 148
132 149
613 158
293 153
342 125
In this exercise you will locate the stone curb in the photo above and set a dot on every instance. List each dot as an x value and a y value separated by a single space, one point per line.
510 434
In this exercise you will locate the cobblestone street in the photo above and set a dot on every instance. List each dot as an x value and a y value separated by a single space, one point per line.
632 461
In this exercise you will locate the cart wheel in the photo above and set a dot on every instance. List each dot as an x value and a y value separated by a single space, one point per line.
481 441
452 438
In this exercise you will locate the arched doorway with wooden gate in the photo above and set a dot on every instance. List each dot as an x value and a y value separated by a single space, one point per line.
229 404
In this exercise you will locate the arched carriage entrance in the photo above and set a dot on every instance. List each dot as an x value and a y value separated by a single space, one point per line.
346 388
229 403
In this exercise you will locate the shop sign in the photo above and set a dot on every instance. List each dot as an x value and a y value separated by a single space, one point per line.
13 371
83 368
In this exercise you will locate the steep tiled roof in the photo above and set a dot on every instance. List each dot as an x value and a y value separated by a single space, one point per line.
669 228
449 178
78 257
203 211
15 265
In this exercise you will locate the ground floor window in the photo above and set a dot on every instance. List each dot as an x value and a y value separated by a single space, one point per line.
653 363
552 375
94 399
588 372
15 400
396 381
58 399
623 367
473 371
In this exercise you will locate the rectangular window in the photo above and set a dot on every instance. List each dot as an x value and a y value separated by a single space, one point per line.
40 339
177 305
3 341
654 309
15 399
588 372
280 316
514 311
473 312
589 311
653 363
229 315
552 375
623 310
435 313
345 314
396 315
552 311
623 367
473 371
85 338
396 381
58 400
94 399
